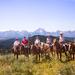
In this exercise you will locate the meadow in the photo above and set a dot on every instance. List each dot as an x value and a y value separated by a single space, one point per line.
9 65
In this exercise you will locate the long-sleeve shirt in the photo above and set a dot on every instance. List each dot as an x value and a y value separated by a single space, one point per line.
48 40
24 42
37 41
61 39
16 43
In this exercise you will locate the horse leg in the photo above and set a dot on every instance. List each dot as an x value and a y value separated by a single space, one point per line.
36 56
60 55
39 57
57 55
27 52
17 56
52 53
41 54
14 54
49 54
73 56
70 55
66 55
45 54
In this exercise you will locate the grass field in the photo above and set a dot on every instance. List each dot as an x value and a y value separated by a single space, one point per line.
9 65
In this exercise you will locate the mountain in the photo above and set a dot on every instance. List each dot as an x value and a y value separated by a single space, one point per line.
40 31
69 33
66 33
13 34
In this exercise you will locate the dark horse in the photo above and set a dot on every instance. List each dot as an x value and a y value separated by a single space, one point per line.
25 50
36 50
59 49
72 50
18 50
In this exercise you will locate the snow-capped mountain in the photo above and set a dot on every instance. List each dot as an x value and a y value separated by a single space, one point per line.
13 34
40 31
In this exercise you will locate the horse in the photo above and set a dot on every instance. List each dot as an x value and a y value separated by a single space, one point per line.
36 50
56 48
20 49
45 49
59 48
16 50
72 50
25 50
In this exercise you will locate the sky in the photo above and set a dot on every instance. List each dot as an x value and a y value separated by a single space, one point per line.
29 15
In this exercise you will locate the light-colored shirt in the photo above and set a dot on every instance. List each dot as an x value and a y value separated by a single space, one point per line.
48 41
16 43
61 39
37 41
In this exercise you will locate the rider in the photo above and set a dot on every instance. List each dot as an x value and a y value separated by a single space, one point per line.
16 43
48 41
37 41
61 38
24 42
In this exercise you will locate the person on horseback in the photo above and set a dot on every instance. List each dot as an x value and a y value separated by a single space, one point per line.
24 42
16 44
37 41
61 38
48 40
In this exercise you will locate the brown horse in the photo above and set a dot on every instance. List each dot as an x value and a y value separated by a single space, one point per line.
72 50
56 48
45 49
25 50
59 49
18 50
36 50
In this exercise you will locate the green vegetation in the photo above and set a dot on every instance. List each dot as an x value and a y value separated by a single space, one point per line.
9 65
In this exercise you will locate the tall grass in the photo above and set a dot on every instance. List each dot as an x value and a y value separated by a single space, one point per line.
9 65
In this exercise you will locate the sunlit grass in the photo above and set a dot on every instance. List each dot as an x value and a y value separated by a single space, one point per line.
9 65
